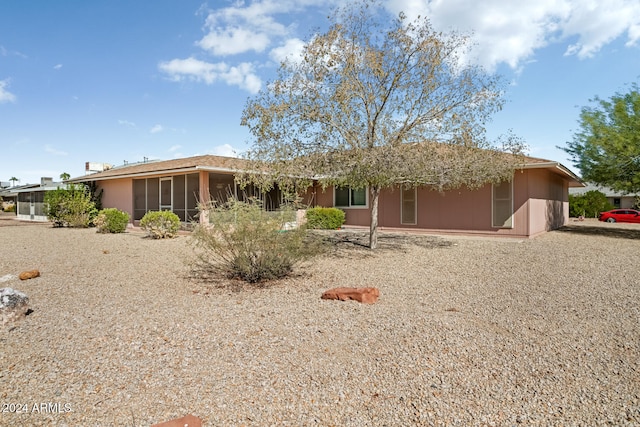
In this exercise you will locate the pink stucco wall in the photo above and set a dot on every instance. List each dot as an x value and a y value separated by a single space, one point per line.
118 193
548 201
540 203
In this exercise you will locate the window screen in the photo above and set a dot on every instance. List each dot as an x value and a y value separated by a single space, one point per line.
503 205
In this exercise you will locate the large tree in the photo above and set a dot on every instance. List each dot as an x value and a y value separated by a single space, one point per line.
377 102
606 149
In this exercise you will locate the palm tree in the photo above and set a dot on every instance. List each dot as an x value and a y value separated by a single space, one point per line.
64 176
13 179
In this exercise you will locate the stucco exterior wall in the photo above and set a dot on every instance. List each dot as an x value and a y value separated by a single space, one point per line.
548 201
118 193
540 203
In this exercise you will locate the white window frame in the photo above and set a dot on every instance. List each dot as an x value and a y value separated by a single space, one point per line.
415 205
160 205
493 203
366 201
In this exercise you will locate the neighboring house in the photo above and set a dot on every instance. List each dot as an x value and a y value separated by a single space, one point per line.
537 200
29 199
7 197
616 198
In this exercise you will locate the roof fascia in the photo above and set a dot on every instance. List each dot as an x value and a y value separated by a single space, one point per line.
555 165
177 171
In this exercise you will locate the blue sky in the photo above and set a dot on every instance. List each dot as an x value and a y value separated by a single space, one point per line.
114 80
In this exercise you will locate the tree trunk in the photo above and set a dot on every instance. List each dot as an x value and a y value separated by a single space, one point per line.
373 228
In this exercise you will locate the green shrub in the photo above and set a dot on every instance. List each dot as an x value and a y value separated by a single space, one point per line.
71 206
589 204
325 218
243 241
10 208
111 220
160 224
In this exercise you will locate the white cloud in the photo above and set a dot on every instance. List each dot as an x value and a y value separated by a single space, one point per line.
174 148
51 150
511 31
598 23
245 28
231 41
57 66
225 150
291 50
5 52
126 123
156 129
5 95
503 31
254 26
243 75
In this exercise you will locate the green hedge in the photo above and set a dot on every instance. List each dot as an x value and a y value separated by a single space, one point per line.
589 204
111 220
325 218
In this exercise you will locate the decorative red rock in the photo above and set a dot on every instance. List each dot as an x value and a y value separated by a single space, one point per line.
187 421
363 295
25 275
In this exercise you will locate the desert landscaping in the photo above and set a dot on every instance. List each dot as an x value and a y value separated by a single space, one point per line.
466 331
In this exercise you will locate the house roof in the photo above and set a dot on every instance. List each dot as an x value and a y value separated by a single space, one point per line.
27 188
555 167
606 190
187 164
231 164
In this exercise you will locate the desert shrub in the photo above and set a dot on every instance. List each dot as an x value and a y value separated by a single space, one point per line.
70 207
160 224
10 208
244 241
111 220
589 204
325 218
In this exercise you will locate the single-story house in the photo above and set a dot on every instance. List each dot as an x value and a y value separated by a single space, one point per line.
535 201
178 185
29 199
616 198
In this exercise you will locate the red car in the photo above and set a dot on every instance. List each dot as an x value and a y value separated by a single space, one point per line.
620 215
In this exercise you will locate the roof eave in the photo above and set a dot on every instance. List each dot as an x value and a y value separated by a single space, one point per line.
91 178
574 180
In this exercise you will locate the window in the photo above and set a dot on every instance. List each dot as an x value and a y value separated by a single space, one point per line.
408 212
502 205
345 197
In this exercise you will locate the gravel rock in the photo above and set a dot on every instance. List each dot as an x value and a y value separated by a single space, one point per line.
467 331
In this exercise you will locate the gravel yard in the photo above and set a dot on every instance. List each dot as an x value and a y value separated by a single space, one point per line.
467 331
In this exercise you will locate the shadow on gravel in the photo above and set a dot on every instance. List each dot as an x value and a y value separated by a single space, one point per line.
618 233
12 221
351 242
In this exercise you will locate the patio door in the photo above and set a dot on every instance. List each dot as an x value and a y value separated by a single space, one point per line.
166 194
